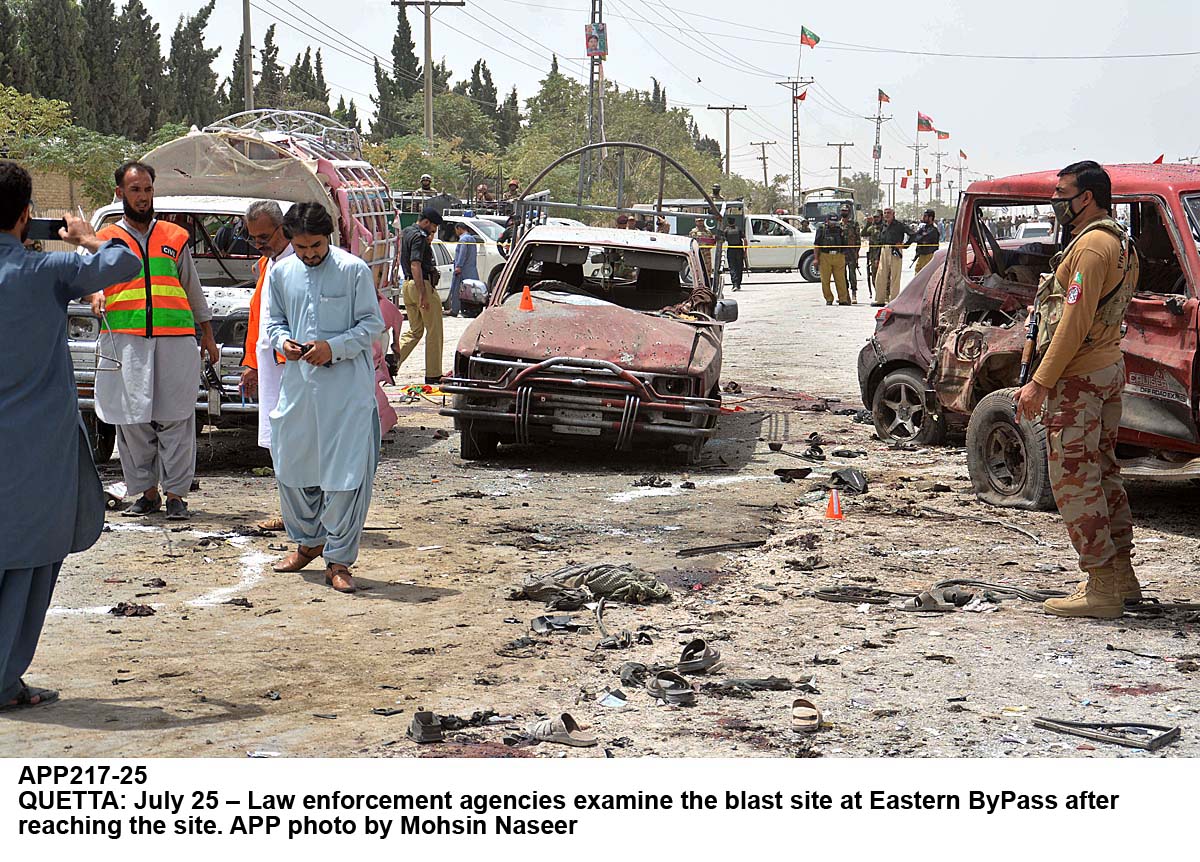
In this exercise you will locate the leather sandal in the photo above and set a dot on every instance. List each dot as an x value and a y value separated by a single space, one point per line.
338 577
299 558
274 525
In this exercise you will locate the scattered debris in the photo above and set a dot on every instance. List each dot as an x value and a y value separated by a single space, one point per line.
791 474
272 695
732 387
240 602
128 609
1149 737
652 481
716 549
619 582
155 583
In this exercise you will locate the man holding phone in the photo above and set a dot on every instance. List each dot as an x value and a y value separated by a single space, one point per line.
323 316
41 432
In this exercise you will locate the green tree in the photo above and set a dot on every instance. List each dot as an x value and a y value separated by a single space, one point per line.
405 71
559 100
347 115
482 89
24 116
457 118
138 73
441 77
391 118
81 154
53 45
100 58
508 123
190 73
11 64
320 88
867 192
269 91
234 101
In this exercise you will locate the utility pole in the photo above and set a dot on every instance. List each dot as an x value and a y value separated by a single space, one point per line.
840 147
937 176
794 84
247 57
1188 160
728 109
892 199
877 152
916 148
428 7
763 159
960 181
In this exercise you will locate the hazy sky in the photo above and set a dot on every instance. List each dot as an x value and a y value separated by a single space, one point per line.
1007 115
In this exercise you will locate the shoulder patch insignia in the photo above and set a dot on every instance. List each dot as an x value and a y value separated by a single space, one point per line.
1076 288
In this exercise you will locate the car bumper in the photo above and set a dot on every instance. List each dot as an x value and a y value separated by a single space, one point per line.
566 397
870 359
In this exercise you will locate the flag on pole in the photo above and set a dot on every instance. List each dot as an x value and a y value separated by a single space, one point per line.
808 37
962 155
904 182
924 122
942 136
803 95
908 173
883 97
1159 160
927 182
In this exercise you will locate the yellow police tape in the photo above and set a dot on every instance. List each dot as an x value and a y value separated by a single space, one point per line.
753 246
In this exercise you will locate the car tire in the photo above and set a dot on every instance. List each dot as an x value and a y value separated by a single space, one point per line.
1006 458
493 275
900 412
101 436
808 267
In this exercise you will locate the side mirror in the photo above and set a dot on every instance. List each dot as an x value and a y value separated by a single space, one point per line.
726 310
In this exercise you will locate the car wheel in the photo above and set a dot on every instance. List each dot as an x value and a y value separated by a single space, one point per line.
808 267
1006 458
101 436
493 275
899 410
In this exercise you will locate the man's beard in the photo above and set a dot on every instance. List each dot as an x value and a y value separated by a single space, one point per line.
139 217
306 262
25 233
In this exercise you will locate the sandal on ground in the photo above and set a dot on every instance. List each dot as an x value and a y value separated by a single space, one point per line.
698 657
813 453
931 601
564 730
299 558
425 727
27 697
338 577
272 525
806 718
143 506
671 687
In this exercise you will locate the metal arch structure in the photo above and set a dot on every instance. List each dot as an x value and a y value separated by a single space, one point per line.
531 203
320 131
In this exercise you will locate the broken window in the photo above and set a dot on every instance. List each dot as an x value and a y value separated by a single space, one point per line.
1159 269
632 278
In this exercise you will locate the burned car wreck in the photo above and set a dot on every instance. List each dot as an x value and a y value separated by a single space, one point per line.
597 333
946 353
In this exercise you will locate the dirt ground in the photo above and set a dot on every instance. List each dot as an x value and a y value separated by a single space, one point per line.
294 669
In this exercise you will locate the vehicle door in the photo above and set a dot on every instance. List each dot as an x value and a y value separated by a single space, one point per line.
1160 340
773 245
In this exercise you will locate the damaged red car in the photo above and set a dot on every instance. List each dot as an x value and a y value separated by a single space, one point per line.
617 344
945 354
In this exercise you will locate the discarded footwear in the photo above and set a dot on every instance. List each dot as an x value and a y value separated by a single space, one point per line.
338 577
272 525
143 506
556 623
698 657
806 718
813 453
1097 598
425 727
564 730
791 474
849 479
177 509
633 674
671 687
299 558
930 601
27 697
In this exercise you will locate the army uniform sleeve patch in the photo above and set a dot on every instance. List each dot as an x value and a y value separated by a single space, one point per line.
1076 288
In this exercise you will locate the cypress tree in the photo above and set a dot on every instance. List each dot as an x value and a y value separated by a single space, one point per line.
235 84
269 90
508 123
100 57
139 72
405 70
53 44
193 81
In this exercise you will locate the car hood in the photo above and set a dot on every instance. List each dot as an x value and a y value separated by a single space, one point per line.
630 339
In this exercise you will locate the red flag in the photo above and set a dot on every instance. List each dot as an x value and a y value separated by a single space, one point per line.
927 182
883 97
808 38
803 95
1159 160
961 154
904 182
924 122
943 136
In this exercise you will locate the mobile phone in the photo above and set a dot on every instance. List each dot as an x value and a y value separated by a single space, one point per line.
46 228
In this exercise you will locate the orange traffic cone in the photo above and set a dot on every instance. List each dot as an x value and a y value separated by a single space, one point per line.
833 510
526 300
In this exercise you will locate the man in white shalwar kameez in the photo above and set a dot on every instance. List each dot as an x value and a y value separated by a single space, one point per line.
323 317
148 368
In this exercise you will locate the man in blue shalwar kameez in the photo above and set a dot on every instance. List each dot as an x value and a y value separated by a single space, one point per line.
53 504
323 317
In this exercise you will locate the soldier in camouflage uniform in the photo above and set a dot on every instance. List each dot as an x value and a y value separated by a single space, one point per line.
1079 378
870 233
853 247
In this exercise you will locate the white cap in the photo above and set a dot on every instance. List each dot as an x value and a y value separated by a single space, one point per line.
426 177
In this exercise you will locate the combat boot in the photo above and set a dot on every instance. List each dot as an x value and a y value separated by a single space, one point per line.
1127 586
1096 597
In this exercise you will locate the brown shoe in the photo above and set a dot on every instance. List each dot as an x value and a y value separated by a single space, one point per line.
274 525
300 558
338 577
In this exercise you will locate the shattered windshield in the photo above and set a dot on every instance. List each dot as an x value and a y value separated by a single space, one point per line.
632 278
1192 204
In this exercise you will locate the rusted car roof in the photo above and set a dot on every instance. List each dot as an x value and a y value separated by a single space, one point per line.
1126 179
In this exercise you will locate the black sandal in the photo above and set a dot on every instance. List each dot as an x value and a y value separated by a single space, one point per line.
25 696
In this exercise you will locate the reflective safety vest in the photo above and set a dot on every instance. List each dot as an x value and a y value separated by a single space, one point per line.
154 303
